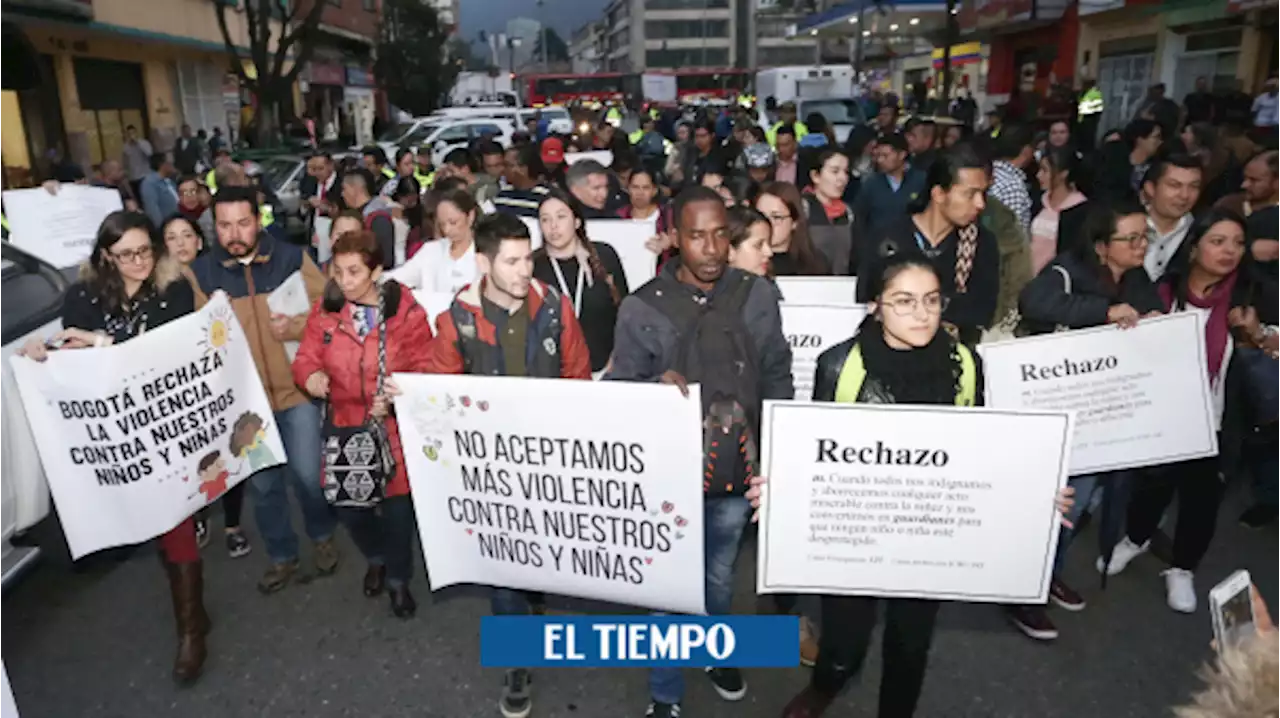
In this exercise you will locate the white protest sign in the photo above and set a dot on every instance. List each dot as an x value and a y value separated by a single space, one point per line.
8 708
628 237
910 501
830 291
58 228
811 330
290 299
595 503
138 436
324 247
434 303
1141 395
604 157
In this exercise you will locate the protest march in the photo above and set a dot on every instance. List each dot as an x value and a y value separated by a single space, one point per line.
591 378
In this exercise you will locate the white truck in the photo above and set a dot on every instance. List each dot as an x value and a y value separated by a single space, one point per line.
474 87
799 82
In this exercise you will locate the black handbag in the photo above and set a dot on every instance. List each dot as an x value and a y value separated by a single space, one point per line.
358 461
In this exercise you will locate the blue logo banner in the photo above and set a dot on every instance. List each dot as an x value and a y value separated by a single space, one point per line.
640 640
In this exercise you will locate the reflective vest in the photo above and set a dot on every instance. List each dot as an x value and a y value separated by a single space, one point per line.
613 117
772 133
388 173
211 181
1090 102
635 137
854 374
425 179
267 215
746 100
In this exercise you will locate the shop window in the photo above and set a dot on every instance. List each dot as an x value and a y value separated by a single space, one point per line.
698 57
1230 38
112 97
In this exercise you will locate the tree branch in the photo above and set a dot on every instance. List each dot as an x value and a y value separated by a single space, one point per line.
220 12
303 36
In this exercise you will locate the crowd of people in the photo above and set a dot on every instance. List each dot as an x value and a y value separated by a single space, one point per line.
956 236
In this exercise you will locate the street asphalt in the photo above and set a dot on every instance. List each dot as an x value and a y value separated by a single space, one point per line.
99 642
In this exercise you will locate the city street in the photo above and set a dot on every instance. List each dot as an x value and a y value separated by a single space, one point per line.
99 643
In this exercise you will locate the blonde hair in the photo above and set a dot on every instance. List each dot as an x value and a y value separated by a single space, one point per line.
1241 683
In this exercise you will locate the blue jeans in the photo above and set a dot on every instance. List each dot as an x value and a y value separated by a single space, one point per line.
300 432
724 518
385 536
1086 487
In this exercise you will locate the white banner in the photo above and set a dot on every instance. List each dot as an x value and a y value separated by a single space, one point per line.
811 330
136 437
604 157
628 237
829 291
513 490
1141 395
8 708
911 501
58 228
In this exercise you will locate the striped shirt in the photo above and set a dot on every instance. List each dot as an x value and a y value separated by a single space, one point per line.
520 202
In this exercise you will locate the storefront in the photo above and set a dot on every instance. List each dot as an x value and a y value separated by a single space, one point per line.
1030 66
324 96
360 102
1118 47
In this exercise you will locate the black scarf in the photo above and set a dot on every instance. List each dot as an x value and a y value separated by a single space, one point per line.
928 375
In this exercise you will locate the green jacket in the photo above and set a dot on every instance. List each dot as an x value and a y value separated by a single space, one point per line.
1015 254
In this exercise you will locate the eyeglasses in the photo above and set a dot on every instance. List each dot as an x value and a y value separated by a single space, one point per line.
905 306
130 256
1134 240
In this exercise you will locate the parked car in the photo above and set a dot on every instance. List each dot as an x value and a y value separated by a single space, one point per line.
452 134
32 306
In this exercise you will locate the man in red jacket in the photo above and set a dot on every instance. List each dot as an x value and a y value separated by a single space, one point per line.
509 324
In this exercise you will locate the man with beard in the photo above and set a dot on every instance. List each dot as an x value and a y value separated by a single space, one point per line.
248 264
509 324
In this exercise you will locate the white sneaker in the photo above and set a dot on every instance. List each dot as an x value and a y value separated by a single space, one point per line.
1181 589
1124 552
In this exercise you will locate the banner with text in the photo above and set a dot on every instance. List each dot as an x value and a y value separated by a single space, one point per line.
1141 395
628 238
58 228
545 485
911 501
811 330
136 437
826 291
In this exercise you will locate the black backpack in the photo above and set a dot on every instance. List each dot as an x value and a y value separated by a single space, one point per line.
715 350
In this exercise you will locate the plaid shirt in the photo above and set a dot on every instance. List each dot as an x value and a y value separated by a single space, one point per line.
1009 186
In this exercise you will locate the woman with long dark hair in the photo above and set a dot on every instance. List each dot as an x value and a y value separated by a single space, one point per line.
129 285
338 361
1205 276
793 250
900 356
588 273
1057 175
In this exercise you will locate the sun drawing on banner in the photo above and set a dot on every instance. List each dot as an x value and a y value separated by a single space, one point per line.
217 334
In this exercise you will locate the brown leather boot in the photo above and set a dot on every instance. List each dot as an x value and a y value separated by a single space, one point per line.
186 585
808 703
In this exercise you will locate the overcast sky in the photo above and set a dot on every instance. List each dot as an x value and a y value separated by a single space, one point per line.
563 15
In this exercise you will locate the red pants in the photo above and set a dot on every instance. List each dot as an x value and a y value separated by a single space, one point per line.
179 545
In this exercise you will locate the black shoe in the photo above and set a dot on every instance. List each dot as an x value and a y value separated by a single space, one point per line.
402 603
728 683
663 710
1258 516
516 701
375 579
1065 596
237 544
1033 621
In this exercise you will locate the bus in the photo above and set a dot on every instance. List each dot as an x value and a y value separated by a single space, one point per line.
691 86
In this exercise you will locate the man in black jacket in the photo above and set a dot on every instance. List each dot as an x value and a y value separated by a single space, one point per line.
321 190
884 196
965 254
700 296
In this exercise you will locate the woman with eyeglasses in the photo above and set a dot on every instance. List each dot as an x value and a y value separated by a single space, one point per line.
1100 280
793 252
899 356
130 285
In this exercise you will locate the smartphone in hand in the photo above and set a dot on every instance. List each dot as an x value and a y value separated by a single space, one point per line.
1231 609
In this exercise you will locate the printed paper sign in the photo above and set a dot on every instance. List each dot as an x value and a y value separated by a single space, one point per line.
811 330
604 157
435 304
1141 395
59 228
290 299
8 708
628 237
510 490
827 291
136 437
911 501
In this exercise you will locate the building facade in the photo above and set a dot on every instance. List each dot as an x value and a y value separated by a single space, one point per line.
338 89
676 34
586 48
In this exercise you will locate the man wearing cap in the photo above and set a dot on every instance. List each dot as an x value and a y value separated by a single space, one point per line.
786 116
552 155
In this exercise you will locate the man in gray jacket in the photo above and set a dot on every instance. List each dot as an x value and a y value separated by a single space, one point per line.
702 321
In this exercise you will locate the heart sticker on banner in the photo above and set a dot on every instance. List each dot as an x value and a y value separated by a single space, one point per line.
466 401
681 521
668 507
468 532
648 559
484 405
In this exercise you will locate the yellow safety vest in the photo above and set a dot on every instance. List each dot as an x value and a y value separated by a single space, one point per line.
388 173
424 180
267 215
1091 103
635 137
772 133
210 181
613 117
855 372
4 222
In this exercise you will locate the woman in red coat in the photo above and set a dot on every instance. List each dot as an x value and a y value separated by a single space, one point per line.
338 361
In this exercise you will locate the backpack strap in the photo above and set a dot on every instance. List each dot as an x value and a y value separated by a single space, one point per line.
965 251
